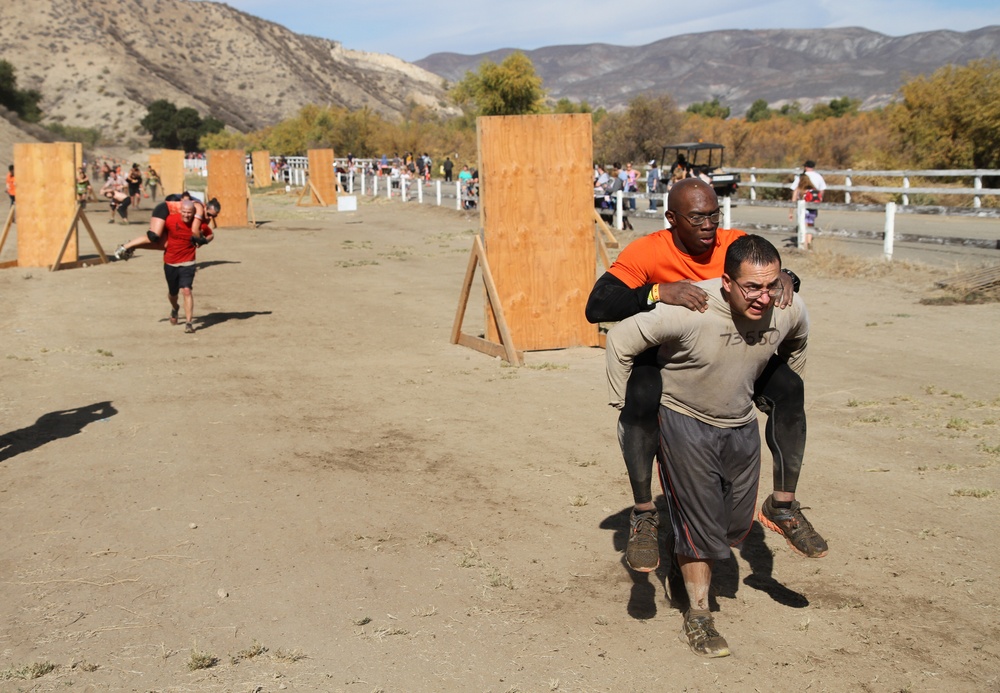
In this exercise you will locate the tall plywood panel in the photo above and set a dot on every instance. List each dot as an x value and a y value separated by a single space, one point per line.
322 175
46 202
540 247
171 171
227 181
261 169
156 162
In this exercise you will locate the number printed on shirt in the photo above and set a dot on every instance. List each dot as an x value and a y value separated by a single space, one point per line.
768 337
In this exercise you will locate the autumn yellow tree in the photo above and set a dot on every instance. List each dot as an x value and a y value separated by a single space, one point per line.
952 118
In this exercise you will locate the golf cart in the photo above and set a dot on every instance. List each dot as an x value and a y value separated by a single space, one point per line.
703 158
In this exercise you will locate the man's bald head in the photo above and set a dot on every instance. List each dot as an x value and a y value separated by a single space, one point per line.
683 190
692 210
187 211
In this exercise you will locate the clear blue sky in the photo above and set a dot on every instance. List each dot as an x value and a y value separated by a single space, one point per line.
416 28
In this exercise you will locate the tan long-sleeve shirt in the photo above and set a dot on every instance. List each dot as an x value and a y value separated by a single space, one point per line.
709 361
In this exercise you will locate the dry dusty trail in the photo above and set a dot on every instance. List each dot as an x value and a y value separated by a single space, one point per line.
317 492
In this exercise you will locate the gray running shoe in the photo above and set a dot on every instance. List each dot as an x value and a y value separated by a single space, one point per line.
188 328
123 253
794 527
699 633
642 553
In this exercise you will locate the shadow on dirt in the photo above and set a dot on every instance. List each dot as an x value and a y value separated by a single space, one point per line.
52 426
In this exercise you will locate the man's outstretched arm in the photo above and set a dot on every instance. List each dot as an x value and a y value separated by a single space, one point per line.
612 300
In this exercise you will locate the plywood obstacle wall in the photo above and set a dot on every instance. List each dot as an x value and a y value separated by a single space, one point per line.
536 205
171 171
156 162
322 175
227 181
261 169
46 202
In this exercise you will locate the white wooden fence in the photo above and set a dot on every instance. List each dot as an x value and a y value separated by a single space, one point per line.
751 181
365 179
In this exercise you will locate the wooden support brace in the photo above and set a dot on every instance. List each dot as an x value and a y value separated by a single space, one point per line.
93 236
253 217
78 217
505 350
612 242
6 227
602 251
312 188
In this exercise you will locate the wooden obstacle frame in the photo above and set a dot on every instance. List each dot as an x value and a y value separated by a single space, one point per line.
261 161
171 171
321 184
48 213
227 182
540 254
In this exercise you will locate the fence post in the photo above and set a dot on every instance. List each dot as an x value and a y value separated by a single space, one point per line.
906 184
350 182
618 210
800 224
847 193
753 190
978 185
420 191
388 187
437 191
375 186
890 229
458 194
727 213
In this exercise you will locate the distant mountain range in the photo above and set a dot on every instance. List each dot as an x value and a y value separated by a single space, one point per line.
100 64
738 67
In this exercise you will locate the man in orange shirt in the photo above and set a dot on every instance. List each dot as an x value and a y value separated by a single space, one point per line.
660 268
10 184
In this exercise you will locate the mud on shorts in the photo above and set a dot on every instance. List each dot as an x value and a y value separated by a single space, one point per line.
711 475
178 277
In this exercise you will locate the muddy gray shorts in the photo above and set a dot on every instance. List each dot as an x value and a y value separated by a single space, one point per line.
711 475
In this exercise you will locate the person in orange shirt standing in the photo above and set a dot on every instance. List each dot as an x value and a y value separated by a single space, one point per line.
10 184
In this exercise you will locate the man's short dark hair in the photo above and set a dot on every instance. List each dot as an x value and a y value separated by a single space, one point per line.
213 205
756 250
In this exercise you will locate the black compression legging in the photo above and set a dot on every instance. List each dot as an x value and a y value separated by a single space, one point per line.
778 392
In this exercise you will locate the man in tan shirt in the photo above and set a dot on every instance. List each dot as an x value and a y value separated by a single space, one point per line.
710 444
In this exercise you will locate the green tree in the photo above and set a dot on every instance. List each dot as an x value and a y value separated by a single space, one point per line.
510 88
564 105
160 123
758 111
187 128
24 102
710 109
952 118
174 128
791 110
837 108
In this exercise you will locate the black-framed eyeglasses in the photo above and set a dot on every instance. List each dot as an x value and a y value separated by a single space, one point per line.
771 291
700 219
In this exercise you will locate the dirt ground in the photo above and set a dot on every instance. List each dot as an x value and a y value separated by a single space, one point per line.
318 492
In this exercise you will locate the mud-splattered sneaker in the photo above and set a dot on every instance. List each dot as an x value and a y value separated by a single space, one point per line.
699 633
642 553
123 253
794 527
